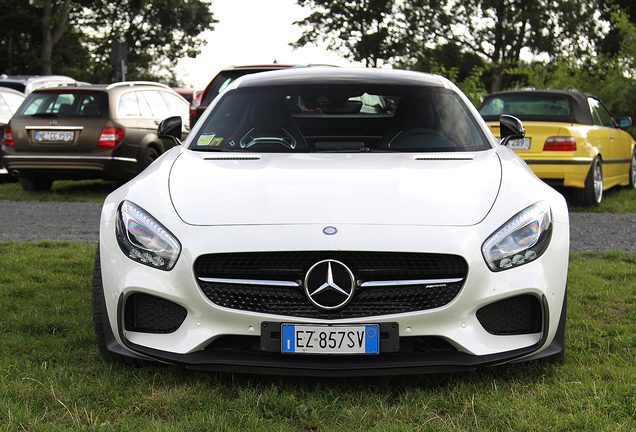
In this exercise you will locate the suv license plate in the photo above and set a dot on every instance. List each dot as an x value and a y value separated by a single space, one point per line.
54 136
317 339
519 144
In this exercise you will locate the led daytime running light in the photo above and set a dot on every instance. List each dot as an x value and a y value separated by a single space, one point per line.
143 239
521 240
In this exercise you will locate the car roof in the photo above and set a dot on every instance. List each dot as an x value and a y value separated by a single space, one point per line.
106 87
270 66
28 82
577 101
334 76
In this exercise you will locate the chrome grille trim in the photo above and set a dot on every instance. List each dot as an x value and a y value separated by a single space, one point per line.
408 282
296 284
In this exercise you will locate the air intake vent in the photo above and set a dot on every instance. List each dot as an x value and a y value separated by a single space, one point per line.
149 314
513 316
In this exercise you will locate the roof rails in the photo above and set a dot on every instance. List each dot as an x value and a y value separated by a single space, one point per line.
63 84
135 83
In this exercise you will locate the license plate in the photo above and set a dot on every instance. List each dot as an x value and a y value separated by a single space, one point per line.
310 339
519 144
54 136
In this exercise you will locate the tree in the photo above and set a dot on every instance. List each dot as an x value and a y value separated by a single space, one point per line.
54 24
74 37
610 43
359 30
498 30
158 33
20 38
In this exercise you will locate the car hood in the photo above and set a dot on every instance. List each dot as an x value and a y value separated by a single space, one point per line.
378 188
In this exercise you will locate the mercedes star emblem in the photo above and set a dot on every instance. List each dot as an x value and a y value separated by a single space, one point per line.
329 284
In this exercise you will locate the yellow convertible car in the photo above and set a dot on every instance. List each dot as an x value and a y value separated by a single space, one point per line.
571 140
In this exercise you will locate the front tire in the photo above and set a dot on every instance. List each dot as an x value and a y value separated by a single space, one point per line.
592 194
149 156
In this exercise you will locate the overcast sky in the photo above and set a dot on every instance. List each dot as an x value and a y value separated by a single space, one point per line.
253 32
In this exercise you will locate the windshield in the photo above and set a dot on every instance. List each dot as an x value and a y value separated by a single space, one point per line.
340 118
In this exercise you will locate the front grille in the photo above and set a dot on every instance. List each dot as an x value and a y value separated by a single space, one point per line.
150 314
513 316
366 266
408 345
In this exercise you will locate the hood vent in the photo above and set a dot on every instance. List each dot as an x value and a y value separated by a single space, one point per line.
235 158
422 158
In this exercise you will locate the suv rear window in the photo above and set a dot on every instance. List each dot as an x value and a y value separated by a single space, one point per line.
65 104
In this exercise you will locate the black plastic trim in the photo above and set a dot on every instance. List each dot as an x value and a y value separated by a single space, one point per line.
557 162
340 366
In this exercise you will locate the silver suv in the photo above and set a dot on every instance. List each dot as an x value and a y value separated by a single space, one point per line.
89 132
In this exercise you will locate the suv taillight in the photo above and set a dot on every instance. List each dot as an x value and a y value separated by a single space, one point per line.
110 137
7 139
560 144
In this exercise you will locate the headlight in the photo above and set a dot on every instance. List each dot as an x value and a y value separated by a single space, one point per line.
143 239
521 240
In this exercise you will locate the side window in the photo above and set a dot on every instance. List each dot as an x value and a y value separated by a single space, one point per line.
128 106
600 114
177 106
144 107
157 104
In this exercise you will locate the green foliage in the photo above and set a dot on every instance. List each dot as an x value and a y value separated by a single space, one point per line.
611 78
358 30
158 32
470 84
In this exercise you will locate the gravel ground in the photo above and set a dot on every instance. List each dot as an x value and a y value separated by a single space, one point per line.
34 221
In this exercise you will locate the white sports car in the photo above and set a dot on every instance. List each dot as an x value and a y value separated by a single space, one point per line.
334 222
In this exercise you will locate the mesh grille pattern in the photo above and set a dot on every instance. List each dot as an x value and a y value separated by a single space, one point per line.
149 314
514 316
366 266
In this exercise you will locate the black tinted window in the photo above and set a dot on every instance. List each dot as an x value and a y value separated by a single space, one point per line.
526 105
346 118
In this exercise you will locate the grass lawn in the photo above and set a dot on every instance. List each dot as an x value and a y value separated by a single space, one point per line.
52 377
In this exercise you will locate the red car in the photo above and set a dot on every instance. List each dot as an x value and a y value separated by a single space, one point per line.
222 80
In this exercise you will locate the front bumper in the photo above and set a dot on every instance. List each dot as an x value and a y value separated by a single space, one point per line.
342 366
464 342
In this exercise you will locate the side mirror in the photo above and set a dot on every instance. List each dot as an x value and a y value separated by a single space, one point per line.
170 128
625 122
511 128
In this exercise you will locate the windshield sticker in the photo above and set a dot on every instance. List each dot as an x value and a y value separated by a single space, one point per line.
205 140
216 142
